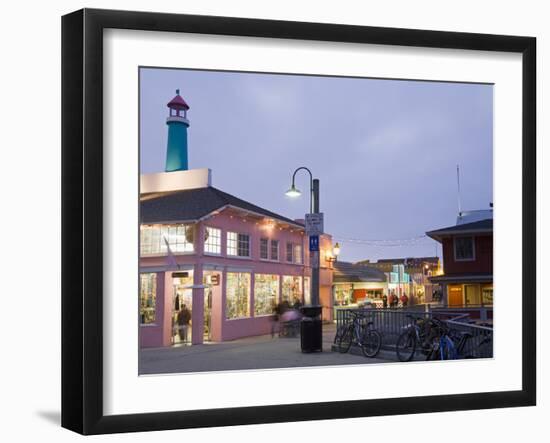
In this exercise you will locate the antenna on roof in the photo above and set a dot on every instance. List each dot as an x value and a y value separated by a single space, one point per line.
458 189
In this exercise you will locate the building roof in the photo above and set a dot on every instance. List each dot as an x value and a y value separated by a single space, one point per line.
462 278
481 226
194 204
178 102
408 260
355 273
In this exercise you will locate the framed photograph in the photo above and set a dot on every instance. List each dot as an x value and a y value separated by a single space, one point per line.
268 221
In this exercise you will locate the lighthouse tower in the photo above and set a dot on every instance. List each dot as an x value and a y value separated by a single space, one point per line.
176 150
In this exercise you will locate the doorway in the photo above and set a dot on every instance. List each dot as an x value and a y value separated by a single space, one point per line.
182 308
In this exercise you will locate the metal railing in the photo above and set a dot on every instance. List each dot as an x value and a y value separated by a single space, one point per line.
391 323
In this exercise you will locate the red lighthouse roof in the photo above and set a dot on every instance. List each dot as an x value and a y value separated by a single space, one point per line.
178 102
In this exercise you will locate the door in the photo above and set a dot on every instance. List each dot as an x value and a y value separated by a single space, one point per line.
455 295
208 313
182 308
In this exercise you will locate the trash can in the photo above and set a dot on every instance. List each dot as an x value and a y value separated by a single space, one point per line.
311 331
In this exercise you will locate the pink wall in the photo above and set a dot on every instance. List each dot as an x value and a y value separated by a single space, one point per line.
222 328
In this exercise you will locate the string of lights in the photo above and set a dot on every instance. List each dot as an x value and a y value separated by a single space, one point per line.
386 242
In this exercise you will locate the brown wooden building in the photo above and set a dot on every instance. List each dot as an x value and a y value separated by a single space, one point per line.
467 278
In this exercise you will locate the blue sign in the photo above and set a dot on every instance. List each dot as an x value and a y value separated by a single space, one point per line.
313 243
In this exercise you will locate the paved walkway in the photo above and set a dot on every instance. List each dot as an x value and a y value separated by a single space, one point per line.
262 352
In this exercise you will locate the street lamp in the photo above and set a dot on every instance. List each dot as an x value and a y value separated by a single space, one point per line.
311 327
332 256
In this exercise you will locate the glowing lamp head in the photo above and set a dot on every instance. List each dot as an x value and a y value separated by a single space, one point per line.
336 250
293 192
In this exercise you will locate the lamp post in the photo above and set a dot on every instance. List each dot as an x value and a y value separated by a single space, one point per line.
314 209
311 326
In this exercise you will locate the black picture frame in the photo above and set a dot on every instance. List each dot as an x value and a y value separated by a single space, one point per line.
82 215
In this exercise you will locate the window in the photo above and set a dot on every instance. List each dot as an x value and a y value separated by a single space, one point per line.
153 239
275 250
307 290
238 295
147 297
289 252
213 241
292 289
487 295
298 254
464 248
266 293
238 244
263 248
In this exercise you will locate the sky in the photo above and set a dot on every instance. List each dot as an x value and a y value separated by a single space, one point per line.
385 151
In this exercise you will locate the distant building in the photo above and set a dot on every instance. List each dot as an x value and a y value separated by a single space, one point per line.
213 257
355 284
467 278
409 275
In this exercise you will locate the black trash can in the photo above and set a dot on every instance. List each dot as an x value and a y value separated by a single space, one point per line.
311 330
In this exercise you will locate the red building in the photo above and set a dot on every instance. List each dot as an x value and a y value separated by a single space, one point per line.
467 278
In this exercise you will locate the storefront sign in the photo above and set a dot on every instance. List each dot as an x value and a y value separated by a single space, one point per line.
314 224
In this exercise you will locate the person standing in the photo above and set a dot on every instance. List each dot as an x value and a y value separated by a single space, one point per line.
385 301
184 317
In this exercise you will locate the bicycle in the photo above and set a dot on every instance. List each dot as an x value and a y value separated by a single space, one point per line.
422 333
366 337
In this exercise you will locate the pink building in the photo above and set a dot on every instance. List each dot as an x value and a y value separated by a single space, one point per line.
217 264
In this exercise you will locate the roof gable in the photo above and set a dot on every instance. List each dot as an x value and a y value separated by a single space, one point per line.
194 204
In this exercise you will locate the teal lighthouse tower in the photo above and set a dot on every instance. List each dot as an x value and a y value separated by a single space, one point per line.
176 150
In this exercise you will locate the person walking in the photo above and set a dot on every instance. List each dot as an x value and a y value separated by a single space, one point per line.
385 301
184 317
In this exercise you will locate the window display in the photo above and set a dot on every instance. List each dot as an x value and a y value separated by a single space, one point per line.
266 293
292 289
148 295
238 295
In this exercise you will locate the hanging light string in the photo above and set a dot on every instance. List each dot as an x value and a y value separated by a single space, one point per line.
386 243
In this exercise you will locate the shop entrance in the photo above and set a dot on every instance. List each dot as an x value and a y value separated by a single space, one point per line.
182 308
212 290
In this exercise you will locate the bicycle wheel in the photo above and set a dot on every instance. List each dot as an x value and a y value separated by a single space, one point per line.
372 341
344 340
406 346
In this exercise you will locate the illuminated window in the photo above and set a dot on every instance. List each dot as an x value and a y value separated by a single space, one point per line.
307 290
275 250
213 241
154 239
487 295
238 295
292 289
289 252
464 248
147 297
264 248
238 244
298 254
266 293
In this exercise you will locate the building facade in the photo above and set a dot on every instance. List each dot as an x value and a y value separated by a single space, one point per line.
213 266
467 279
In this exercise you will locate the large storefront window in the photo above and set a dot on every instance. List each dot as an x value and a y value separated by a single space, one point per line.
237 295
266 291
343 295
292 289
487 295
154 238
307 290
472 295
147 297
